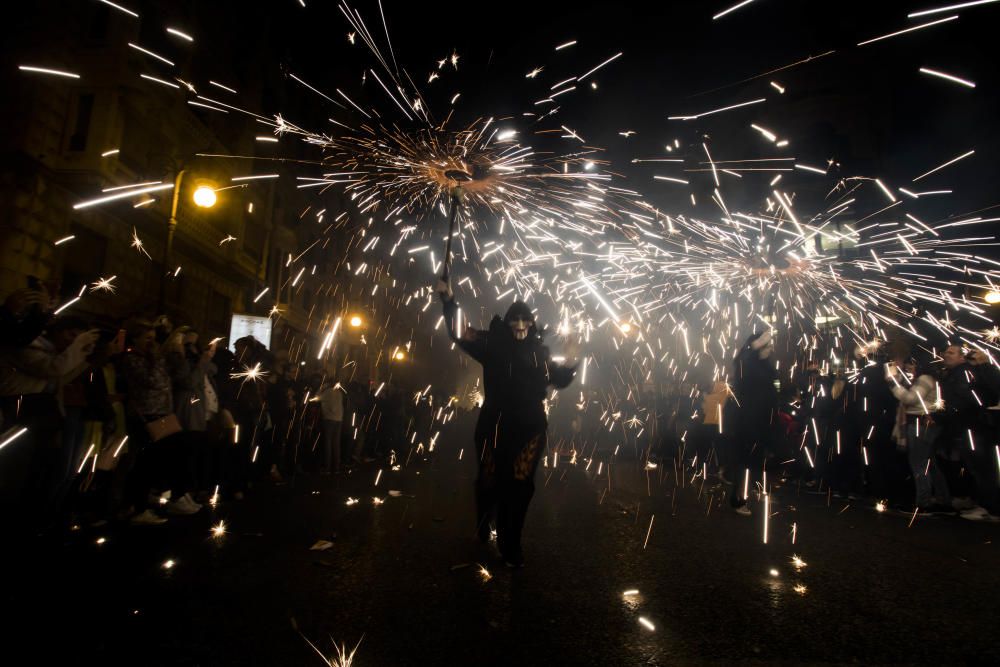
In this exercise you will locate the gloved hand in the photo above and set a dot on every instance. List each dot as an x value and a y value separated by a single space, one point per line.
443 289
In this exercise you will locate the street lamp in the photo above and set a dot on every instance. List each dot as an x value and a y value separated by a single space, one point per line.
992 297
399 356
355 321
204 197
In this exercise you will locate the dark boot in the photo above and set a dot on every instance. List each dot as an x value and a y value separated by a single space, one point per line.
513 508
486 502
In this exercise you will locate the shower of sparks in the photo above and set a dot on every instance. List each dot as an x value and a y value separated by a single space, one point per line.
341 657
544 215
104 285
137 243
646 623
700 272
249 374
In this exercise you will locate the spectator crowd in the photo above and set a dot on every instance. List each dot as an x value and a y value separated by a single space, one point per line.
139 421
906 429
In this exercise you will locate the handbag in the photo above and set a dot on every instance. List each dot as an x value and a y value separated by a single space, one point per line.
163 427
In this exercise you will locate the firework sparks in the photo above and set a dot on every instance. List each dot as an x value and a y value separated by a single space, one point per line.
731 9
11 438
45 70
104 285
249 374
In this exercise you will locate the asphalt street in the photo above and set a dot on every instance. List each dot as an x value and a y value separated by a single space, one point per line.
405 581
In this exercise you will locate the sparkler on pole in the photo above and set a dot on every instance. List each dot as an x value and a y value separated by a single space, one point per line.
456 194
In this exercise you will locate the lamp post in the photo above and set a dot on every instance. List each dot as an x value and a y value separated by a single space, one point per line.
204 197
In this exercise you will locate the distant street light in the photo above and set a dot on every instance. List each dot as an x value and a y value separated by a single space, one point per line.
399 356
356 321
992 297
205 196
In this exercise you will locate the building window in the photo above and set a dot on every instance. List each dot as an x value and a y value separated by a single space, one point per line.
81 127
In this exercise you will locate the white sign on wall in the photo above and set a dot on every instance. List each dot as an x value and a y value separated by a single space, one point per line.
249 325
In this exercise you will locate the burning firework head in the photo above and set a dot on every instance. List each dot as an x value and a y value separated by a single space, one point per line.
559 205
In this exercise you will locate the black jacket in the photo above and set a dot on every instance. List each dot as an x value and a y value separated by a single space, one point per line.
516 375
961 410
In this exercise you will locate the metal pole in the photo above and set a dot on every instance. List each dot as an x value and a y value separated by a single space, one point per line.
168 246
456 202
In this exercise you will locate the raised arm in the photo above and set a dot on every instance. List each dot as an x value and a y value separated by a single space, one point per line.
473 341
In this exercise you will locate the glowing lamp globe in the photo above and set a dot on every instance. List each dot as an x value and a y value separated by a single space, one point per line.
205 197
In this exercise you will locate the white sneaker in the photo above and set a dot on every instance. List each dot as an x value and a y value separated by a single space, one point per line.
147 518
182 506
978 514
742 510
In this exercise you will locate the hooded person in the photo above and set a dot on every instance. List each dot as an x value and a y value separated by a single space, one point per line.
510 433
749 417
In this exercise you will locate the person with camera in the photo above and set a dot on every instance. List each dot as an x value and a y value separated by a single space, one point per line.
31 378
153 428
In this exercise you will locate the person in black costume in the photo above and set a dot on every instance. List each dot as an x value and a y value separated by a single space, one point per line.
751 416
510 433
